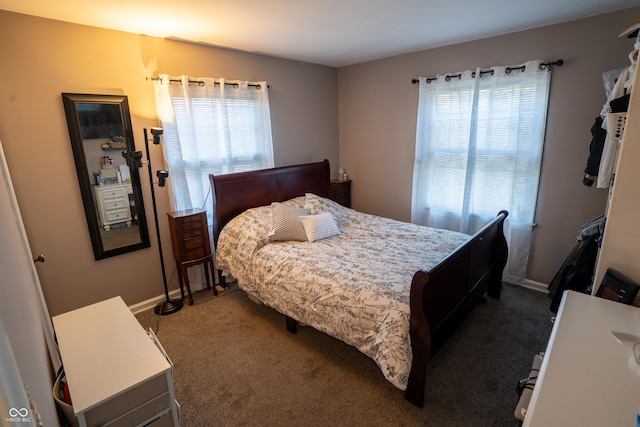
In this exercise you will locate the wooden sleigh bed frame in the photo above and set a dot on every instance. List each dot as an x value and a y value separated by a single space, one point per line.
440 298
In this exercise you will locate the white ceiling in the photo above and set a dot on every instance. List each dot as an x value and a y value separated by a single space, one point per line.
328 32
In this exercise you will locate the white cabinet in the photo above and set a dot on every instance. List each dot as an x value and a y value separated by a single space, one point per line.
118 375
588 376
113 204
621 238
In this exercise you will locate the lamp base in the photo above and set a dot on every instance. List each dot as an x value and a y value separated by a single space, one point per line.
168 307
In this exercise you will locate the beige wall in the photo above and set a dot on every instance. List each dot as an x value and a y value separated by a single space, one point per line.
43 58
376 112
377 116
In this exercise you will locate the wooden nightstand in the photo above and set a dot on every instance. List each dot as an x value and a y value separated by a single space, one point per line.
190 239
340 191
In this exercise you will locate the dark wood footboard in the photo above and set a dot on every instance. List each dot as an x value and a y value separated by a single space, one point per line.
442 297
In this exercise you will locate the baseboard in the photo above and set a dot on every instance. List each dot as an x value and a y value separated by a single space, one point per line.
536 286
152 302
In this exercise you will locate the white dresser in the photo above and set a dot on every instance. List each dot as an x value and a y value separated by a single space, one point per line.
113 204
118 374
589 376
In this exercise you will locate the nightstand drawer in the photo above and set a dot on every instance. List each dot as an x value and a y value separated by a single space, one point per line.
340 191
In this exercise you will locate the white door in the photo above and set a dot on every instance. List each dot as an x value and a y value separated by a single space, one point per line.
28 334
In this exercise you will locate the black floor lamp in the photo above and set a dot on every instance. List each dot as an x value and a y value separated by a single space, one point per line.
168 306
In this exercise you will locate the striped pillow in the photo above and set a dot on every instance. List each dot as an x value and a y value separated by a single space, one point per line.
286 223
319 226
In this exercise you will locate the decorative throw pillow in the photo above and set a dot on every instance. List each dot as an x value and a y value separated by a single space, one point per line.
319 226
286 223
318 205
296 202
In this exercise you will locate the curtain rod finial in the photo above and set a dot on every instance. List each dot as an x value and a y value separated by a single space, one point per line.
545 65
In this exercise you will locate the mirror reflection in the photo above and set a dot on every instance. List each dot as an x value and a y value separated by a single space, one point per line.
100 131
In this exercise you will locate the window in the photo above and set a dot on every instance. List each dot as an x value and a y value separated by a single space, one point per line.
478 151
211 127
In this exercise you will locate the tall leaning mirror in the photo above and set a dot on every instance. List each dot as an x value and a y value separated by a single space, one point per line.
101 136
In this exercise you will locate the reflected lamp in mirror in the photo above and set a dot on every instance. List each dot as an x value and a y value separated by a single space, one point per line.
104 154
135 157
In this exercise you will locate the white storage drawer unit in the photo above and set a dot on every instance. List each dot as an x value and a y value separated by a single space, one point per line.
113 204
589 375
118 375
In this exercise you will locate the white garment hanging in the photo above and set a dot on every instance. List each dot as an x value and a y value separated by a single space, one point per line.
605 172
610 149
633 58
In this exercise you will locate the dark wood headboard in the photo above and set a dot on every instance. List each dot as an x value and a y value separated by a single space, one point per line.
234 193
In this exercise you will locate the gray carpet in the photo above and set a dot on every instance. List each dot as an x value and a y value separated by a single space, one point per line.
236 365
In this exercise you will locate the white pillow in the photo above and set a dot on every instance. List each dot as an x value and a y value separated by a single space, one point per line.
286 223
319 226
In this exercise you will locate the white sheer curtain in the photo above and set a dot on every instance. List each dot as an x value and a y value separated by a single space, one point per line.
479 141
211 126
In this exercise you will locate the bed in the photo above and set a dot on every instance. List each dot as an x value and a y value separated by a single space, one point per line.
394 290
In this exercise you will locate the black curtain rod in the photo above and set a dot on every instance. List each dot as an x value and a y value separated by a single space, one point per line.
543 66
201 83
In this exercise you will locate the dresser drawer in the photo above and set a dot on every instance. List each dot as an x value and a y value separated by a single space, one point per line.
194 243
194 227
194 248
119 203
192 232
194 254
117 215
112 193
145 413
139 404
192 221
165 421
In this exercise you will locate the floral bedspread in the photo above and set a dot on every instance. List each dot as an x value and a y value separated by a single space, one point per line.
353 286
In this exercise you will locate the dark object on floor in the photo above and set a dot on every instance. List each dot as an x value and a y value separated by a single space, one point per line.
576 273
616 286
525 387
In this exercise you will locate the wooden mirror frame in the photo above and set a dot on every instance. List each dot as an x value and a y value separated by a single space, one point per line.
71 102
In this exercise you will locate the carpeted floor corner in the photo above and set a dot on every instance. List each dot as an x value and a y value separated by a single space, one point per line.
236 365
